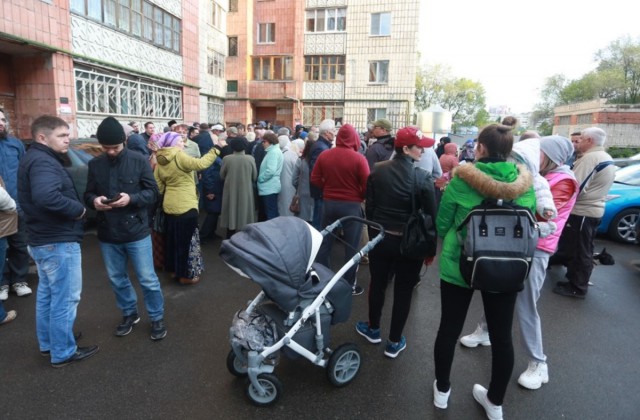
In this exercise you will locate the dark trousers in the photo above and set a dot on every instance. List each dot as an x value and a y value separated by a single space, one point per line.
17 266
332 211
209 226
385 263
270 203
578 235
498 310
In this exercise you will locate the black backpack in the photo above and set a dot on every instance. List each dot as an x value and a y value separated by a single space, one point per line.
497 252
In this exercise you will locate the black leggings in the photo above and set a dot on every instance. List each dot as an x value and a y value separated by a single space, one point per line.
385 263
498 309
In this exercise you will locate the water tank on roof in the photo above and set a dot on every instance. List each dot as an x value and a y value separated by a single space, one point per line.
434 119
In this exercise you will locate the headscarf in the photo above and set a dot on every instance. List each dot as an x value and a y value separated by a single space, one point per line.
558 149
169 139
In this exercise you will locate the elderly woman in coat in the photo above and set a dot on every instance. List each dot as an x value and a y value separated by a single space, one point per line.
289 163
301 182
238 173
174 175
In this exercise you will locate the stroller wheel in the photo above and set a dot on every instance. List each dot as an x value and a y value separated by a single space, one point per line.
344 364
236 366
272 390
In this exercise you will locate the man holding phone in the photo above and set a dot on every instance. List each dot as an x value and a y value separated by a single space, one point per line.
121 187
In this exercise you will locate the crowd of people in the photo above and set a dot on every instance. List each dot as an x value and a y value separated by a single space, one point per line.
241 175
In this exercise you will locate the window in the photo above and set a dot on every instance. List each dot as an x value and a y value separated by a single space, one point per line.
266 33
215 64
273 68
314 113
138 18
215 109
232 86
217 14
566 120
585 119
326 20
117 94
381 24
376 113
233 5
379 71
233 46
324 68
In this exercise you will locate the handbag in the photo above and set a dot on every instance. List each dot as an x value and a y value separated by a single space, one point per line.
418 236
159 218
294 207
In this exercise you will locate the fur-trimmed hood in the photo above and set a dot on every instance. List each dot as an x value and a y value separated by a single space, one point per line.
488 186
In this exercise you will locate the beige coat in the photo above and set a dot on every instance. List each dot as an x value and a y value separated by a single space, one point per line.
590 201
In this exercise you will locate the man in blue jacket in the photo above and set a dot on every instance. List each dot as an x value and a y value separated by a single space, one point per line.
121 187
17 266
54 218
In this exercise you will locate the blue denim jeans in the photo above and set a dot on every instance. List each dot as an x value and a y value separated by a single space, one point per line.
60 284
317 214
140 253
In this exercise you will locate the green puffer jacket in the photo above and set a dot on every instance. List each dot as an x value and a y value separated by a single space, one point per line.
472 183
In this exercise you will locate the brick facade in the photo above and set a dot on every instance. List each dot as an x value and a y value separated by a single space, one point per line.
620 122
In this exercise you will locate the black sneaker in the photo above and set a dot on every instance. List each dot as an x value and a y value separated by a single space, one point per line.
80 354
127 325
569 291
47 353
158 330
357 290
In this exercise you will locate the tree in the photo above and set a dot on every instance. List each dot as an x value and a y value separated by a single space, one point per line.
464 98
621 60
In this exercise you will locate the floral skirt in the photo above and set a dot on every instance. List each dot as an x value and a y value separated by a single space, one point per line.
183 255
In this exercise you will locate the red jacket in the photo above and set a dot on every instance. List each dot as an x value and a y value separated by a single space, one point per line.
342 172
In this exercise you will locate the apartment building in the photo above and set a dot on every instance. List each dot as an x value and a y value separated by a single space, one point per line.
231 61
142 60
303 61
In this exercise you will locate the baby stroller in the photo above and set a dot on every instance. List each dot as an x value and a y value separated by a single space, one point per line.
299 302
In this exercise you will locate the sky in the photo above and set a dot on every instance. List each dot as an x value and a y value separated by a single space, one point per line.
511 47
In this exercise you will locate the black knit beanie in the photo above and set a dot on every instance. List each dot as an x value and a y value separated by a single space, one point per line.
110 132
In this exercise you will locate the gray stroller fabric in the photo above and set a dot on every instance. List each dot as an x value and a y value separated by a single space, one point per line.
275 254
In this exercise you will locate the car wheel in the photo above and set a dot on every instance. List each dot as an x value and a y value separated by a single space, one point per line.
623 226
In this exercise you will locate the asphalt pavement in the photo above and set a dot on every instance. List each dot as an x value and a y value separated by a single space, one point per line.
592 347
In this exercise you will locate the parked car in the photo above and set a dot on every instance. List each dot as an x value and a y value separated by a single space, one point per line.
622 206
81 151
624 162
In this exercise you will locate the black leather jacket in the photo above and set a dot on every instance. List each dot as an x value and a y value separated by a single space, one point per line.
389 192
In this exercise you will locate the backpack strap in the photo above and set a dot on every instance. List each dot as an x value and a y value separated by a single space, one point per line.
600 166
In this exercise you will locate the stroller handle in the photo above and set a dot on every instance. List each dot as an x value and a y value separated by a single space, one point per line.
341 221
370 245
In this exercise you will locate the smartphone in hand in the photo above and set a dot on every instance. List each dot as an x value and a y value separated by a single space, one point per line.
112 200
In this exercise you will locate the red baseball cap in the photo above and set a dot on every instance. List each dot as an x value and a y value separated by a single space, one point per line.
412 136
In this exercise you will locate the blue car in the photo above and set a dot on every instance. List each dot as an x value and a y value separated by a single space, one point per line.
622 206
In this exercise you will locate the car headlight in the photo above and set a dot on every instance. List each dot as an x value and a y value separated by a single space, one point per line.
610 197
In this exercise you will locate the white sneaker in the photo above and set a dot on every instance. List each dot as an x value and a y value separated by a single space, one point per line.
21 289
479 336
536 374
440 399
494 412
4 292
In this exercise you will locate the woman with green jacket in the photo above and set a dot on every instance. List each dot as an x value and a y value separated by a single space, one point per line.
490 177
174 175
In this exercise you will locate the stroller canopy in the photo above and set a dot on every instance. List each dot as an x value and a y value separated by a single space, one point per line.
277 254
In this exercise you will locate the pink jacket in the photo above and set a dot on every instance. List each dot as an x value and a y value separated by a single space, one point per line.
564 203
